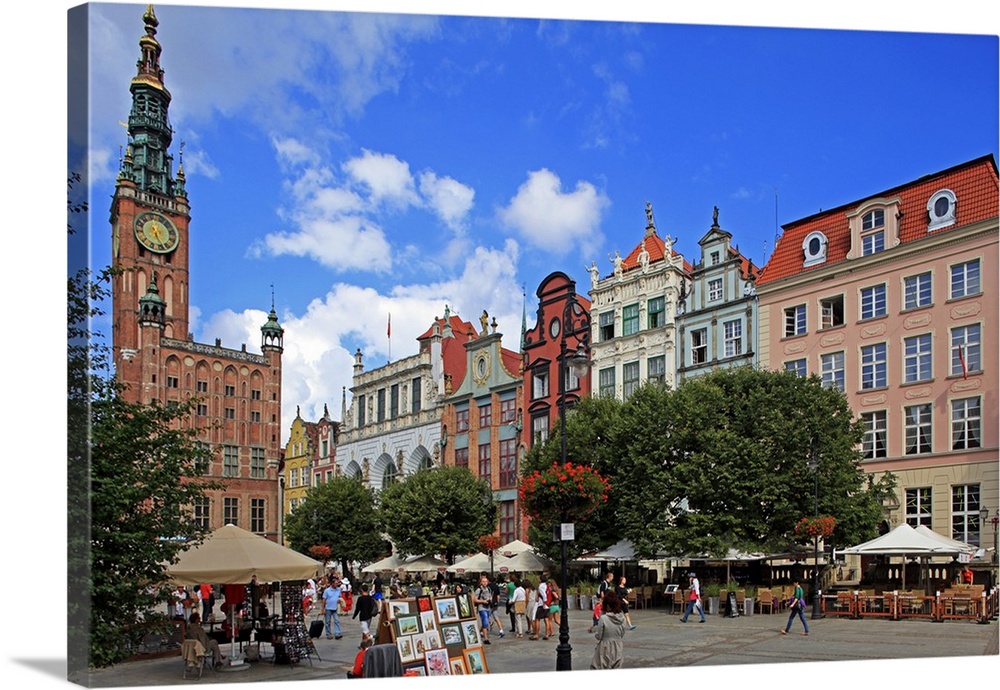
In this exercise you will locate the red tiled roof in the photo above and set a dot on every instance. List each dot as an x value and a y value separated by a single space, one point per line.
746 265
655 247
511 362
458 327
453 357
975 186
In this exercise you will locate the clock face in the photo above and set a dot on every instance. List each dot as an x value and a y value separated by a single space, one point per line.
156 233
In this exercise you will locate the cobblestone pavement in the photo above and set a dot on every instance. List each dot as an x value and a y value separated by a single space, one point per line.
659 641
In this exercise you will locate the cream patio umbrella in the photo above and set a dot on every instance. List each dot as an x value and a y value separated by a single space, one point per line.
476 563
231 555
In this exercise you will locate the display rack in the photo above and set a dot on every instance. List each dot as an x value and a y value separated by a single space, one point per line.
434 635
291 642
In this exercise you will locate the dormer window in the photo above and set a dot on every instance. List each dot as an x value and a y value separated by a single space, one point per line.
873 219
873 232
814 248
941 210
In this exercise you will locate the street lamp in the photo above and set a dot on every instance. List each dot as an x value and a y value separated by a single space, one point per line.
814 466
575 324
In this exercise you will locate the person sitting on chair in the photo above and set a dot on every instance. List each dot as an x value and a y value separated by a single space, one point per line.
359 661
196 632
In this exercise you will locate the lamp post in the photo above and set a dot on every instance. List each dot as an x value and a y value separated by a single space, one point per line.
995 521
575 324
814 466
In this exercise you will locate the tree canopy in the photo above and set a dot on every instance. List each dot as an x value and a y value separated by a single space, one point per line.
134 473
342 514
439 510
723 462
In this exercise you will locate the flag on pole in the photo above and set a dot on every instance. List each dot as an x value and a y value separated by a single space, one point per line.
388 327
961 358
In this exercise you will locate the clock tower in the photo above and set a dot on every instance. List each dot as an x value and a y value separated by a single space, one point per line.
235 394
149 214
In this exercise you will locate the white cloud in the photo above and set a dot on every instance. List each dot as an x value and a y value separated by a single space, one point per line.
450 200
547 217
387 178
318 359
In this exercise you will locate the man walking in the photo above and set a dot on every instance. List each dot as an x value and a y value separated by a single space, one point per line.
331 600
694 599
365 609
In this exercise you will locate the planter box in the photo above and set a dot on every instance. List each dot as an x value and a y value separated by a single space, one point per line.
748 606
571 601
713 606
585 602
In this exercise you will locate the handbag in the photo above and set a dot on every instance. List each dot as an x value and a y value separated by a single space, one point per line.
520 606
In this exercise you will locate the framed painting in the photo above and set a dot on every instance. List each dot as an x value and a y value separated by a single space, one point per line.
405 646
458 666
407 625
399 607
470 631
437 662
433 639
419 646
451 636
465 609
427 621
447 610
475 660
424 603
415 670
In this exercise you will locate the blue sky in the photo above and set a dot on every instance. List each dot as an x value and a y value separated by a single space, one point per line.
371 163
560 131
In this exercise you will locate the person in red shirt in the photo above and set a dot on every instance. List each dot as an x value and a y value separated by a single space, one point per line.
967 575
359 661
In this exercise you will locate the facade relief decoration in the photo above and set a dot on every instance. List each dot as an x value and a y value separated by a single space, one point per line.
961 311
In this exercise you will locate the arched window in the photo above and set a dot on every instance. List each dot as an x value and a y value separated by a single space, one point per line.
389 474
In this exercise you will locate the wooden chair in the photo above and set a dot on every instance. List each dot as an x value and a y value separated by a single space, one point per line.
679 601
765 600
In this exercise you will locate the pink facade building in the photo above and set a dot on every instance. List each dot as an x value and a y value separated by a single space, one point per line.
893 300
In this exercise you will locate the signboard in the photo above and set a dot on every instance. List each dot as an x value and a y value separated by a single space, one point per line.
567 531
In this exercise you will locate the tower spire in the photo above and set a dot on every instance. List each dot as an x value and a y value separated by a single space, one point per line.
149 129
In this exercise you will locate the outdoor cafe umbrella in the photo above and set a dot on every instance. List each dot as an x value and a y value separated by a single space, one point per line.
392 562
231 555
477 563
422 564
525 562
908 542
512 548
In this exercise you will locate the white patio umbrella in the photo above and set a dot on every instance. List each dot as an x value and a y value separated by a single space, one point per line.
526 562
476 563
513 548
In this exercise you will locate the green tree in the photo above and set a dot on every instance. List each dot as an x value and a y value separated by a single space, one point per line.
591 439
724 461
440 510
134 472
341 514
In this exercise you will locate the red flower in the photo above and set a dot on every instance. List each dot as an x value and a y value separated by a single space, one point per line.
567 491
821 526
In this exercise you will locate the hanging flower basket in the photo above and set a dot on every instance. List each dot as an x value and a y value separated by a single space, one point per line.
320 552
821 526
562 492
489 542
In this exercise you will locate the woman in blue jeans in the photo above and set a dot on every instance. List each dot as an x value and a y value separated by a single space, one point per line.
797 606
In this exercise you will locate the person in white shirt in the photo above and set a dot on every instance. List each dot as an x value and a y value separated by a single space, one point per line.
519 604
542 609
694 599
